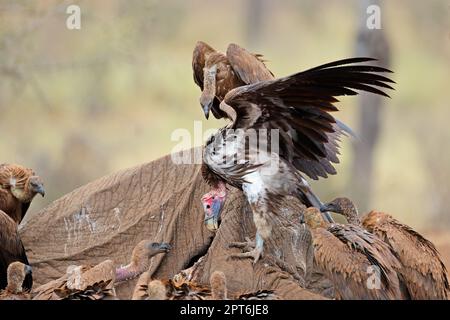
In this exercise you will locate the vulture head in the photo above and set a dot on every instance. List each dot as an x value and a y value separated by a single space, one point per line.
23 182
343 206
218 283
212 205
209 89
157 247
16 273
156 290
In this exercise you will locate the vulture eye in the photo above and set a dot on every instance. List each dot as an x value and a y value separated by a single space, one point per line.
213 197
208 206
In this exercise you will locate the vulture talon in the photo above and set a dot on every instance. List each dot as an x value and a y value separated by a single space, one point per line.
247 245
256 254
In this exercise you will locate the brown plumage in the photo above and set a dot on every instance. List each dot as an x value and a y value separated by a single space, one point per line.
301 136
18 187
17 273
349 255
423 271
217 73
97 282
181 288
11 250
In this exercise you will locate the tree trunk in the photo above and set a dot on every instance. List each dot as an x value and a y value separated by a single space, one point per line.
369 43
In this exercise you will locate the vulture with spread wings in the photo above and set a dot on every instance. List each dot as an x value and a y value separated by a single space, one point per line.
295 132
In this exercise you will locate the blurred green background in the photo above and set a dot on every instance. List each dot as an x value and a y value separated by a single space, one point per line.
78 104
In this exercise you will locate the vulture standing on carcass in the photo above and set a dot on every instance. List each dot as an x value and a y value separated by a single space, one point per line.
361 266
216 74
290 118
95 283
423 271
17 273
18 187
11 250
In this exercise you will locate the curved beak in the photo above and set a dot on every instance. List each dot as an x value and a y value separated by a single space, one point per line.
28 269
166 247
327 207
41 190
206 108
212 217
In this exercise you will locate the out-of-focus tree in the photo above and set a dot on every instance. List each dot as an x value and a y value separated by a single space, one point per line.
369 43
254 21
432 138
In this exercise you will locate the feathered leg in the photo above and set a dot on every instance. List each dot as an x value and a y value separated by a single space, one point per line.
255 193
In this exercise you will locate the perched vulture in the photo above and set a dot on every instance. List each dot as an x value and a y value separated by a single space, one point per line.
279 128
11 250
17 273
18 187
423 271
361 266
217 73
97 282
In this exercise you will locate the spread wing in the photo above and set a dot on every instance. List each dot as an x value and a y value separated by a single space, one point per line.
249 67
11 249
423 270
299 106
346 258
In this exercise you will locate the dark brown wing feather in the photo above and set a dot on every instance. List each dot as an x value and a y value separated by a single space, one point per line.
299 106
424 272
249 67
11 249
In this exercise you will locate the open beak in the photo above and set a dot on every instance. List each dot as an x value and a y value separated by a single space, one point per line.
212 217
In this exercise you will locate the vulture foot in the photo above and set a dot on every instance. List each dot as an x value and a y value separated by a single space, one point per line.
255 254
248 245
253 249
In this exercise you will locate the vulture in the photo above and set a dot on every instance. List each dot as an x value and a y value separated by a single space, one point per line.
278 129
18 187
11 250
17 273
97 282
217 73
422 269
361 266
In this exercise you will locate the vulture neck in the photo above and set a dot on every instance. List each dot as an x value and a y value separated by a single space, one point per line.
354 219
352 216
132 270
14 288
